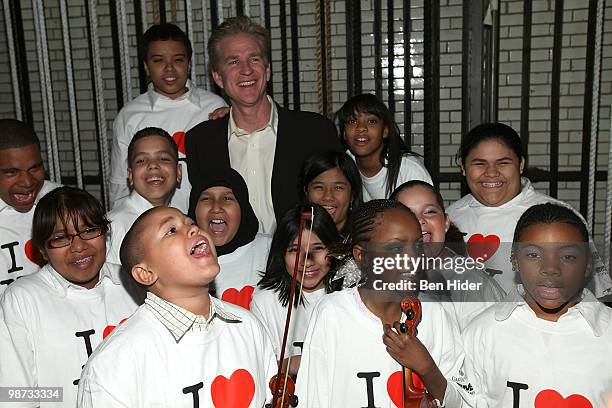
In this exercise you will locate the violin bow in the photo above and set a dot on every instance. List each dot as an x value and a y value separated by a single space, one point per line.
305 216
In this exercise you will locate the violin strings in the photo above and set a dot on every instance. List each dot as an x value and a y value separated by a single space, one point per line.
299 298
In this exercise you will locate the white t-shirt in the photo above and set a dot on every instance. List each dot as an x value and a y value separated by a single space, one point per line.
18 255
122 216
175 116
228 365
465 302
241 270
345 362
411 168
490 231
272 314
53 326
515 359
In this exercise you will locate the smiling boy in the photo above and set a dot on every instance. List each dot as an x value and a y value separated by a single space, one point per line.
182 348
22 184
172 102
153 175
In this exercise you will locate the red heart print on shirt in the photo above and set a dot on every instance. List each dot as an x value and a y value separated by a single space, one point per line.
108 329
239 298
479 246
395 387
552 399
33 254
179 138
234 392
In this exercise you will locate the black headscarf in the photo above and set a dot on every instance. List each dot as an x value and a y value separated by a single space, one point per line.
249 224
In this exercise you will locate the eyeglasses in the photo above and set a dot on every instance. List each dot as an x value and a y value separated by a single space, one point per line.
63 240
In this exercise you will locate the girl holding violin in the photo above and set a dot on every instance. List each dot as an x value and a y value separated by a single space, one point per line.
357 340
271 298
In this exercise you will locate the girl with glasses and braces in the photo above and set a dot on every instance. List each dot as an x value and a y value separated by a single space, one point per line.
52 320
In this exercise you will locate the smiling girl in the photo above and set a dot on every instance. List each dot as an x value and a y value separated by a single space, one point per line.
492 160
221 207
373 139
52 320
331 179
271 297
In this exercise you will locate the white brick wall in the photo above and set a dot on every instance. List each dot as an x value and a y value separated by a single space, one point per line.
571 87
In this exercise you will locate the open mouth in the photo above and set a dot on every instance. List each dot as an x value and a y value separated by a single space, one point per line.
492 185
426 237
83 263
217 226
362 140
24 198
200 249
155 180
330 209
246 83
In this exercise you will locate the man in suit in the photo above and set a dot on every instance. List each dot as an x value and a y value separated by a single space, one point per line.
265 143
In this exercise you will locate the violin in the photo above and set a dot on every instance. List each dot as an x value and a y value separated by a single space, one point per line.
282 385
415 395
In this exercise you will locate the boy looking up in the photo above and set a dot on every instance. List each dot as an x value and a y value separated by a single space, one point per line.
22 184
153 174
171 102
182 348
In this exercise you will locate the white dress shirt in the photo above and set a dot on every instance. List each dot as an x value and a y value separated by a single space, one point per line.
252 155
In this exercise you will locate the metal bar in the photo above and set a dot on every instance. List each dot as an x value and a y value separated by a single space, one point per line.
407 75
98 89
350 60
206 35
472 81
268 26
324 61
12 59
526 75
239 7
72 102
162 11
431 112
555 97
189 24
378 49
21 62
390 57
295 54
589 107
282 22
115 33
139 20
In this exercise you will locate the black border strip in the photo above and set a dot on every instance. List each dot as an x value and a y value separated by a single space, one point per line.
22 62
282 22
116 54
526 75
378 77
407 76
588 107
295 55
390 57
555 98
431 114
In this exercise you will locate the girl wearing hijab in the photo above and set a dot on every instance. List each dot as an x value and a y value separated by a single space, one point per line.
220 205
